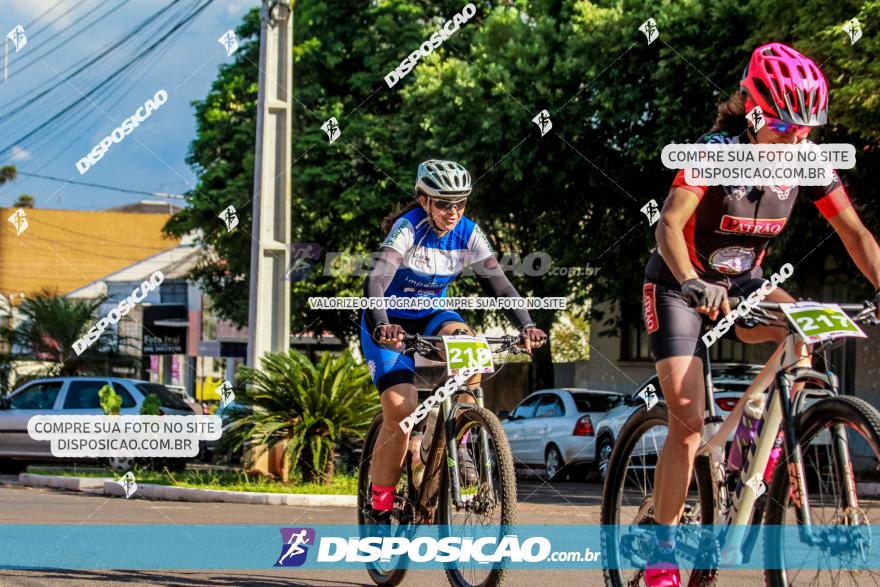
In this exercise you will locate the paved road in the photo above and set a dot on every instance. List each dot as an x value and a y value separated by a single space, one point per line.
540 503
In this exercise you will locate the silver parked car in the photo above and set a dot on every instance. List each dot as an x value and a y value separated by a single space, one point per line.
730 380
553 429
68 396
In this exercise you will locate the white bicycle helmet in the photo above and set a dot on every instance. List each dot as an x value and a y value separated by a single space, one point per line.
443 179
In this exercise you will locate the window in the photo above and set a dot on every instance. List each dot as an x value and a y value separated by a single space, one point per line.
550 407
634 338
39 396
590 402
173 292
167 398
84 395
527 408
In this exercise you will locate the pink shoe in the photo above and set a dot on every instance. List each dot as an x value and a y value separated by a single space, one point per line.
662 573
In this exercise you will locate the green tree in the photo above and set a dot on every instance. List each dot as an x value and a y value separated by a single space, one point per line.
49 327
311 408
24 201
151 406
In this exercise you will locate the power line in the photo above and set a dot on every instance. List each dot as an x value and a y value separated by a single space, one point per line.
111 77
35 33
105 187
107 50
76 32
47 11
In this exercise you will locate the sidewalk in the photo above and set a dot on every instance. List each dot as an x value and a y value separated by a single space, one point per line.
108 486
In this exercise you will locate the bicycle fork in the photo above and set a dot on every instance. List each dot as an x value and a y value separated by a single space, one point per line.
484 465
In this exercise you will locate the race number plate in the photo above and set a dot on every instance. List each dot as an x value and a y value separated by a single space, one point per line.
817 322
467 352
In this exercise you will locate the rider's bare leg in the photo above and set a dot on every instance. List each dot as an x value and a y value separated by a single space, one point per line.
398 402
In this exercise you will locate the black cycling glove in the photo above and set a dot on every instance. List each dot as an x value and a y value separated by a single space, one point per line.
701 293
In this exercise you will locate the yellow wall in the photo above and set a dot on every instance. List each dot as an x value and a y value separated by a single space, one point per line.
67 249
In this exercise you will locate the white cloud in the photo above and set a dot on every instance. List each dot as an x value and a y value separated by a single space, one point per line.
19 154
31 9
237 8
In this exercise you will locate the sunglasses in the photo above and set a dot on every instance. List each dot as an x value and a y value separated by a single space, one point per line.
781 128
446 205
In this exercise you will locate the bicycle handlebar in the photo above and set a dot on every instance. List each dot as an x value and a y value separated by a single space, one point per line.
735 301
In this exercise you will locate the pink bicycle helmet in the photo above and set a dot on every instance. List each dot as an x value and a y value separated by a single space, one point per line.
786 85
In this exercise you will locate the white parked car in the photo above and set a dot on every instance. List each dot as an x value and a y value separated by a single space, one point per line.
69 396
553 429
730 381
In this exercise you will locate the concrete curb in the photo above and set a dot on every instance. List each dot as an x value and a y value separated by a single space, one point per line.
58 482
111 487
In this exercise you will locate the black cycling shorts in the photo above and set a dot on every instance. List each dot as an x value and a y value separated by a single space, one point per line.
674 328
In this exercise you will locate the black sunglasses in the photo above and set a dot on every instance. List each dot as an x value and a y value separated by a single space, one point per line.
448 204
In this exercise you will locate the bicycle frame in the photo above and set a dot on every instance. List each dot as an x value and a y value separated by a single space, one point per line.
778 376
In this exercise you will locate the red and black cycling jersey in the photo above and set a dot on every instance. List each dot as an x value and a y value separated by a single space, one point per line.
729 231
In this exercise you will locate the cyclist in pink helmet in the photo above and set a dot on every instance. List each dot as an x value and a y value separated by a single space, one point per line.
710 244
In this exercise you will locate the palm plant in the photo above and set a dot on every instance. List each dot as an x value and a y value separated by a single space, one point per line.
52 323
310 407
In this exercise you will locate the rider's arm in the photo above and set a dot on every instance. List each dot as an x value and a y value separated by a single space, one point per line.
493 281
859 242
677 210
378 279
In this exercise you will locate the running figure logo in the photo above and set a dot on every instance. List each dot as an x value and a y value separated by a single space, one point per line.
302 260
331 127
19 221
543 121
225 393
229 41
854 30
18 38
294 546
648 395
649 27
128 484
652 211
230 217
756 115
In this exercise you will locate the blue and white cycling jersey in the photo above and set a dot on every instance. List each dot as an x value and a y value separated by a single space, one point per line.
430 263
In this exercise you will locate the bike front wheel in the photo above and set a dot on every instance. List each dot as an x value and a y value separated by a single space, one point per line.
840 446
487 481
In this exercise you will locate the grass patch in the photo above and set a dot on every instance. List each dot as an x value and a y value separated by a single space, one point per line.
224 480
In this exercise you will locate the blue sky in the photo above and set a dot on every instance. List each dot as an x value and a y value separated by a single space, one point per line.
151 158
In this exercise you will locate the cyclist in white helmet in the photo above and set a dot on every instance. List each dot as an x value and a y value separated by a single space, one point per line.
429 242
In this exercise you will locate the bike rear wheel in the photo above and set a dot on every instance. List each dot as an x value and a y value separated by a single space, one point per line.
488 487
627 499
798 563
385 574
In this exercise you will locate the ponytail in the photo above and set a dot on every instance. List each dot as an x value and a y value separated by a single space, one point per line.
731 116
389 220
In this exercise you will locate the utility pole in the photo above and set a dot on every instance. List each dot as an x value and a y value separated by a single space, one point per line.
269 301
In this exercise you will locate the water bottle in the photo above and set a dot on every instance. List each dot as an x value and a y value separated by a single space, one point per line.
429 432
